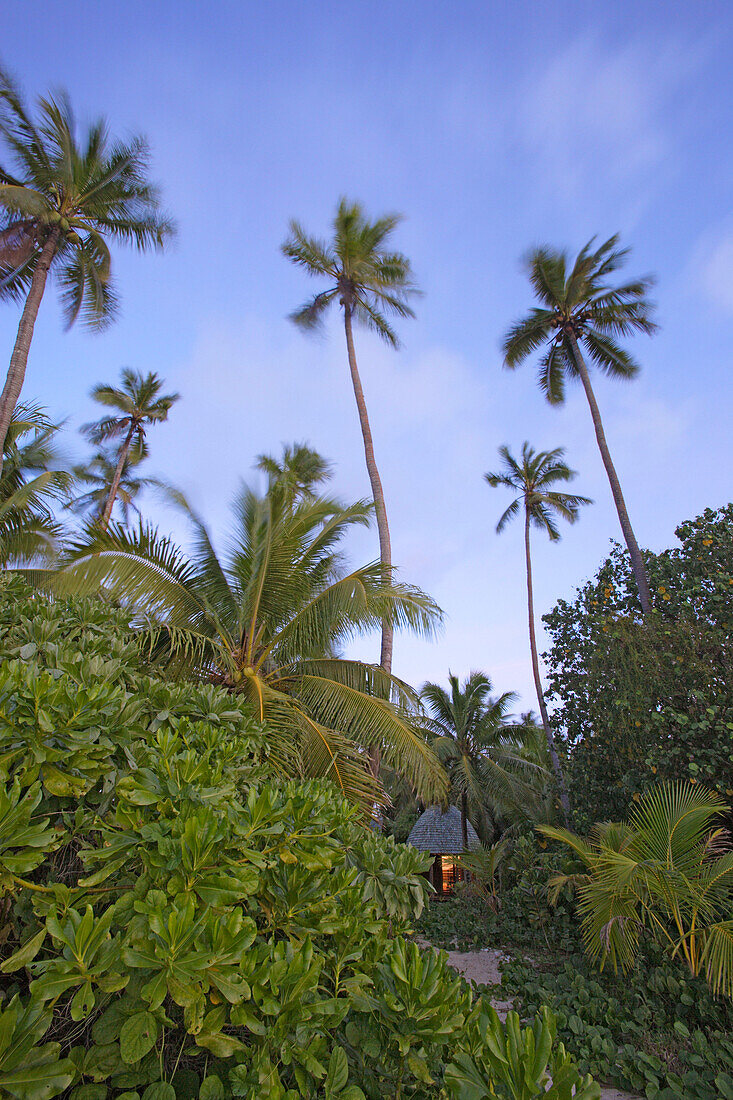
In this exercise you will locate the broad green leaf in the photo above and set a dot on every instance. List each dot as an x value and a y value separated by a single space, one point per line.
137 1036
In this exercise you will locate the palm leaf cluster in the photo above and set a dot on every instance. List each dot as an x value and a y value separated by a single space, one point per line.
365 277
83 190
269 619
29 489
580 306
490 774
668 871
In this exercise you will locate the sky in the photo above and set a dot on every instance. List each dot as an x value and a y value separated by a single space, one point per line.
492 126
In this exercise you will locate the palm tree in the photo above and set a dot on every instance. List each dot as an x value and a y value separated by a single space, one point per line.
60 204
268 619
472 738
582 307
531 480
300 470
139 403
668 869
97 477
368 282
30 486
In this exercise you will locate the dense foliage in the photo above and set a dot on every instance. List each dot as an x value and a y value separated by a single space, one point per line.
657 1031
643 700
179 922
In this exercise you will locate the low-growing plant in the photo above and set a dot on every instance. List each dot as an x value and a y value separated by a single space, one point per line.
657 1031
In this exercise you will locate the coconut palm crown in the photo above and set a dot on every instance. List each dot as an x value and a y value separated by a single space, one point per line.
63 197
370 283
531 481
582 311
268 619
471 735
138 403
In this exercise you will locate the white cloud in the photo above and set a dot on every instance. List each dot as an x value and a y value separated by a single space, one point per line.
595 118
714 264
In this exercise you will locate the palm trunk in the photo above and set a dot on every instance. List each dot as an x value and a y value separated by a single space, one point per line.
554 758
19 358
464 820
385 546
637 562
121 459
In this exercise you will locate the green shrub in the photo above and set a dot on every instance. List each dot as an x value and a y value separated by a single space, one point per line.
176 920
656 1031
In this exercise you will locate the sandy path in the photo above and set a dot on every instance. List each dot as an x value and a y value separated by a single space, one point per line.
483 967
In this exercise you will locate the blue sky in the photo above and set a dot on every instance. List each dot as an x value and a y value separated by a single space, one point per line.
492 127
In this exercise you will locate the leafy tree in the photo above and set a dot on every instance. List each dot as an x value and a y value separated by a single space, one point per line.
139 403
60 203
644 700
267 621
581 307
668 870
368 282
97 478
531 479
471 736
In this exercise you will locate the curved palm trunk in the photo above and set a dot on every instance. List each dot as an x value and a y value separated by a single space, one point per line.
637 562
19 358
554 758
385 546
112 497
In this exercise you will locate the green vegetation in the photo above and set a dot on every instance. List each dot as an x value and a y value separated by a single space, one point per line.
531 479
178 922
62 203
195 899
666 871
640 701
368 282
580 307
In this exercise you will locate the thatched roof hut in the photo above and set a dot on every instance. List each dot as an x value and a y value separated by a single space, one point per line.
439 832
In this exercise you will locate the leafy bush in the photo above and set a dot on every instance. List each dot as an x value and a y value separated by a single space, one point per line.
176 920
656 1031
644 700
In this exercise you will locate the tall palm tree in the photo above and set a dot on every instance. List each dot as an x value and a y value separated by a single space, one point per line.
369 282
268 620
472 737
139 403
96 478
581 307
62 197
532 480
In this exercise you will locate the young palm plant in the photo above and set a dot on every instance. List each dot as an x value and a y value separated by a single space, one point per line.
62 198
268 620
532 480
368 282
139 403
580 308
472 737
669 870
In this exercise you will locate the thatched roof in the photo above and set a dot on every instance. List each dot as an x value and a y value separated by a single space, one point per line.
440 833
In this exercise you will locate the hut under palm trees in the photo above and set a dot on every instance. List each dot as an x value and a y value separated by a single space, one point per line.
439 832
